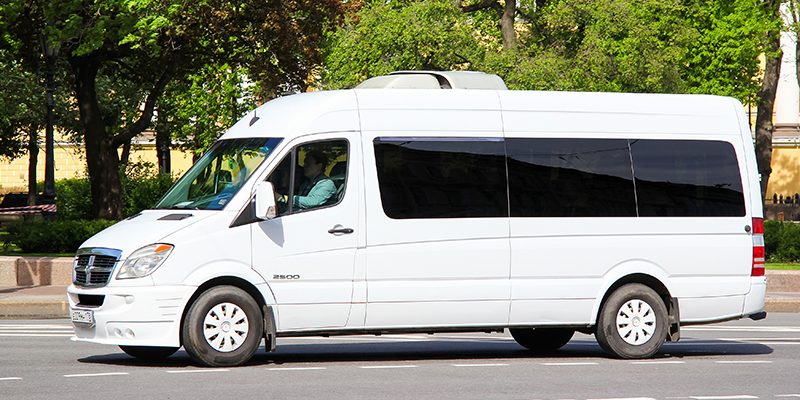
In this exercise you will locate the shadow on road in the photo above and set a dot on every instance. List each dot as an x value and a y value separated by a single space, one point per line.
432 349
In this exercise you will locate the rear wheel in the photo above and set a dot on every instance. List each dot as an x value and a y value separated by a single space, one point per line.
149 352
223 327
633 322
542 340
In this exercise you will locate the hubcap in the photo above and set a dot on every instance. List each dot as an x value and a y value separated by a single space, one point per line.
225 327
636 322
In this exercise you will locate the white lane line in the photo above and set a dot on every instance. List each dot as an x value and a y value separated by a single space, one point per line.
192 371
386 366
93 375
743 328
760 339
41 326
570 363
11 378
480 365
744 362
657 362
36 335
296 368
787 395
741 396
626 398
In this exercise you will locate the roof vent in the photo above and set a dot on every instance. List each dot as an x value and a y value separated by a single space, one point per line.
435 80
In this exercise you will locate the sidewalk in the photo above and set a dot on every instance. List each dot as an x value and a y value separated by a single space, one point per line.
20 302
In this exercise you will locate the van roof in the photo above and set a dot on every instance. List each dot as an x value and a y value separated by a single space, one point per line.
522 111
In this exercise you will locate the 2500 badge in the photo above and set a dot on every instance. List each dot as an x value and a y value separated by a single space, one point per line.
285 276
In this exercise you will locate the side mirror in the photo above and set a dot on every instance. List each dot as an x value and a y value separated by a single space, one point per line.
265 201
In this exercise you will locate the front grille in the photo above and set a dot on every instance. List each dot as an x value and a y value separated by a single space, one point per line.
93 266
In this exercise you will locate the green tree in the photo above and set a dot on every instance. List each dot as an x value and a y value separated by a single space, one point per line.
147 44
401 35
200 107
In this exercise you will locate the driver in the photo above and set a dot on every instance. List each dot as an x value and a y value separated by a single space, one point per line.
317 188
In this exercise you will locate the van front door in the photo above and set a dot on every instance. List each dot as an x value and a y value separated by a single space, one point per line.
307 253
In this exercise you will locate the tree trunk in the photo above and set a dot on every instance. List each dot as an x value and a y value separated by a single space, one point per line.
101 155
766 104
163 142
33 158
507 24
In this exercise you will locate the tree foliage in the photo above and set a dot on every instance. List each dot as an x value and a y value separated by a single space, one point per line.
130 50
685 46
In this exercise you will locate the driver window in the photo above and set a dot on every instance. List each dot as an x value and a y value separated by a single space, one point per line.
312 175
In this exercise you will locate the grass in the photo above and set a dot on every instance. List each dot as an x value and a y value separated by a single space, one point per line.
783 266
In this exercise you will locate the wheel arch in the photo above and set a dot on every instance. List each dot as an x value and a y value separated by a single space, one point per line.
657 285
235 281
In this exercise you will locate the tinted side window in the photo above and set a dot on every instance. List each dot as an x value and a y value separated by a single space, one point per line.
570 178
687 178
441 177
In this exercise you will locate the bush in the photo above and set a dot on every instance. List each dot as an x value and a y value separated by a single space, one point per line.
782 241
74 199
40 236
142 187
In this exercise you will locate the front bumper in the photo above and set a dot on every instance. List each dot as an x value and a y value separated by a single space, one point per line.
131 316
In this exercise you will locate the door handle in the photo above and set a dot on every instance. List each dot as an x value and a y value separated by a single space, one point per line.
339 230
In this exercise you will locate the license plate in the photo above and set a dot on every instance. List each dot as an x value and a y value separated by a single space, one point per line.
82 316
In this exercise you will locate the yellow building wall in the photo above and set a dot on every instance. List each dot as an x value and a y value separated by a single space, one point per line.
70 162
785 177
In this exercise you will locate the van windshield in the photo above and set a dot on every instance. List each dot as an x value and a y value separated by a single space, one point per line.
218 175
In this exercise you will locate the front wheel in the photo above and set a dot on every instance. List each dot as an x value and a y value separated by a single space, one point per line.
632 323
542 340
223 327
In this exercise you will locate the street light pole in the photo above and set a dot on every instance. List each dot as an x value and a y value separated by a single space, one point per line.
49 194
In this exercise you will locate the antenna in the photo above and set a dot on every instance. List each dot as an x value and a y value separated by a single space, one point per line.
255 118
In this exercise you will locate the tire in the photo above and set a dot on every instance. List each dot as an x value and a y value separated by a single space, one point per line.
223 327
149 352
542 340
632 322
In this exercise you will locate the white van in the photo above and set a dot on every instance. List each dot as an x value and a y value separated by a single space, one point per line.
462 207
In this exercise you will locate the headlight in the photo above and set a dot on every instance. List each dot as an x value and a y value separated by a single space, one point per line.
144 261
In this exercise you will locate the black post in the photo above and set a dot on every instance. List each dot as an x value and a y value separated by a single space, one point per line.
49 194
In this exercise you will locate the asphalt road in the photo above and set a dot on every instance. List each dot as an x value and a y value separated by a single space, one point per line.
734 360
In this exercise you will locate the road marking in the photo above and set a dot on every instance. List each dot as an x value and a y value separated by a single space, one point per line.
386 366
295 368
626 398
742 396
93 375
570 363
658 362
743 328
36 330
787 395
191 371
480 365
11 378
744 362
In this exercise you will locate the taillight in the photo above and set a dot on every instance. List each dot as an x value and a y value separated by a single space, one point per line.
758 247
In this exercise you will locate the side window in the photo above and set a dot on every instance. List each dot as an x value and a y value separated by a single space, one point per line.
312 175
687 178
441 177
570 178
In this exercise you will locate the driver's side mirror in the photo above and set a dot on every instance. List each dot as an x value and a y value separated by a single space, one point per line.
265 201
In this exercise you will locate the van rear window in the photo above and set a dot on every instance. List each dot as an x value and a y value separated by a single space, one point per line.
687 178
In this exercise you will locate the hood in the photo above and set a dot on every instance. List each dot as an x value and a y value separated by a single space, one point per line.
147 227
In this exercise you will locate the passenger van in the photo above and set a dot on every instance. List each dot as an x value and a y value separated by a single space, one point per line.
440 202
